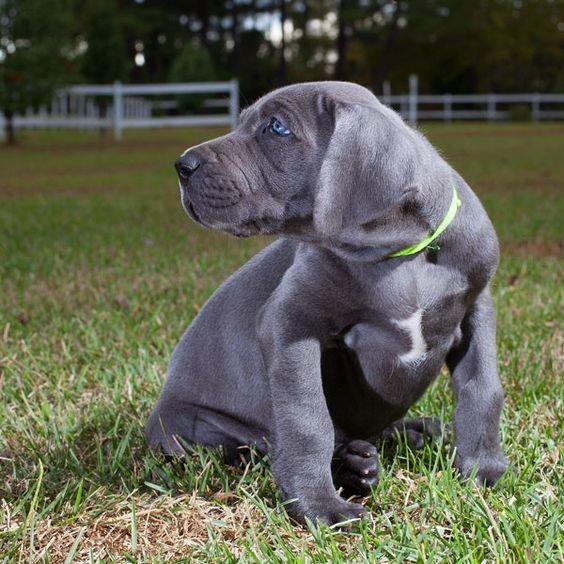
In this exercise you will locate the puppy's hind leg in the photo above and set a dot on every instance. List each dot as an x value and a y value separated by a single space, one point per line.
417 431
172 427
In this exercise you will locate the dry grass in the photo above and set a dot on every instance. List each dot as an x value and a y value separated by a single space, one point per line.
140 526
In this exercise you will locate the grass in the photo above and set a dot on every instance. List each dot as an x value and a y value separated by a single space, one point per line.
101 272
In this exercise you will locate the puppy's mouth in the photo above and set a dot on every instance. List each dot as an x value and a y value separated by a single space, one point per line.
189 208
260 226
217 225
192 211
247 229
236 226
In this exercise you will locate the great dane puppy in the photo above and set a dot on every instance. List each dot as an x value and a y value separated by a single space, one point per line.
328 336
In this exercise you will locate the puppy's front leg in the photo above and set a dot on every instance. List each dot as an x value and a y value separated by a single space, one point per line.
479 395
303 432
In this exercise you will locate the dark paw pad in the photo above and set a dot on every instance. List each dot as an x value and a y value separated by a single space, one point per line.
356 468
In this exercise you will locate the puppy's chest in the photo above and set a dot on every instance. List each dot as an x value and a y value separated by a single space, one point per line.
414 316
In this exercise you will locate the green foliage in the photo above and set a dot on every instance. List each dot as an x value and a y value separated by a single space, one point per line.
33 35
101 271
520 112
193 64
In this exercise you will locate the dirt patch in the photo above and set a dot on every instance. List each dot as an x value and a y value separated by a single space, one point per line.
519 186
148 139
537 247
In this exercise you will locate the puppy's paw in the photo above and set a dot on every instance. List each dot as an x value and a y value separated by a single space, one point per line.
333 511
417 431
356 468
489 467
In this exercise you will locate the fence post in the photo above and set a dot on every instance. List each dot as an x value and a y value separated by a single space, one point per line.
234 103
491 107
447 107
386 92
118 110
404 106
535 107
412 99
81 103
63 103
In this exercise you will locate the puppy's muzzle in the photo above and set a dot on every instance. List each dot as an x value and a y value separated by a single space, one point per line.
187 165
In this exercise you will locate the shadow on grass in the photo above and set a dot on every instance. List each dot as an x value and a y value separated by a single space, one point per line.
107 449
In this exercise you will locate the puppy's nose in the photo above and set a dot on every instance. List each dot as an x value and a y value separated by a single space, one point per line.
187 164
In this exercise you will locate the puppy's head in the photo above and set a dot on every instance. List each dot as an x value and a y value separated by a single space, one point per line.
311 160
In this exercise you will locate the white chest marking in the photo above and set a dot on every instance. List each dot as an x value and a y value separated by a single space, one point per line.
412 326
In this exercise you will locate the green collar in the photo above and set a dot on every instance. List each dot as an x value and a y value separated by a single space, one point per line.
426 243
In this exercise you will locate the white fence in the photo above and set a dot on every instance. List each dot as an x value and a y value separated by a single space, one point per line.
121 106
480 107
483 107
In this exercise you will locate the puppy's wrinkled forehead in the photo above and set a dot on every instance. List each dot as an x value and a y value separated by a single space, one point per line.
293 110
301 102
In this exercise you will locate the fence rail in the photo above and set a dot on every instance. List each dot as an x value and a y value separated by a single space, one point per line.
122 106
483 107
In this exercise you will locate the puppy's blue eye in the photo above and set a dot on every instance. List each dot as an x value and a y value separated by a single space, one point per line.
278 128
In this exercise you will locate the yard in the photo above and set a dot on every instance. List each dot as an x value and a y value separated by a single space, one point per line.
100 273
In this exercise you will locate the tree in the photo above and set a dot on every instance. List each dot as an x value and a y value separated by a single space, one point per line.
33 59
193 64
105 59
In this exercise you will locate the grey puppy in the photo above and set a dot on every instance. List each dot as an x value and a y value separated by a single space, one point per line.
324 340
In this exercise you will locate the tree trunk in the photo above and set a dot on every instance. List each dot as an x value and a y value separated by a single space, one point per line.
382 68
203 14
235 37
9 128
340 72
282 65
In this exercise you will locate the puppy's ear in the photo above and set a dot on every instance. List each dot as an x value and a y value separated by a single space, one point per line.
368 179
357 170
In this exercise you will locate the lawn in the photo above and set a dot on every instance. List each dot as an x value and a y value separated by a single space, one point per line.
100 273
